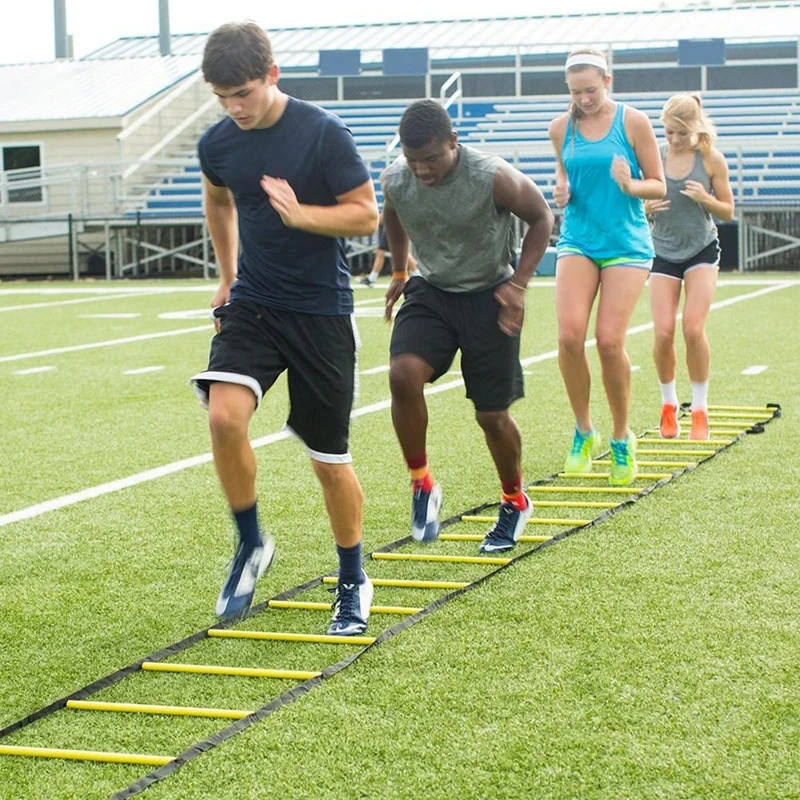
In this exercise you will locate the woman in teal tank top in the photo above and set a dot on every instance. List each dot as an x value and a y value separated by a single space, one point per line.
607 163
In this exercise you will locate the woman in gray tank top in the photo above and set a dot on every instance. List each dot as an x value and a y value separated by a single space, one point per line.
687 252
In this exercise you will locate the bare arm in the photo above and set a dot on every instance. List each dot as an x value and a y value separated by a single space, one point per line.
521 196
220 211
640 134
398 246
354 214
557 131
516 193
719 204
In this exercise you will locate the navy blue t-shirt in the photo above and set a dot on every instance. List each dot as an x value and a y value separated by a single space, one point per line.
315 153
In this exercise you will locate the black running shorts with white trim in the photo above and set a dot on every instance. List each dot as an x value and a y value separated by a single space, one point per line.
434 325
707 257
255 344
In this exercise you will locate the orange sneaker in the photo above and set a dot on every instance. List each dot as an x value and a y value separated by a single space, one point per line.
699 424
670 428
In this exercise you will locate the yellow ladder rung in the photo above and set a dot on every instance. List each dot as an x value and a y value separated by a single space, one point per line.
278 636
492 560
85 755
737 415
303 606
646 452
531 521
243 672
581 490
478 537
654 463
575 503
765 409
683 440
402 583
642 476
175 711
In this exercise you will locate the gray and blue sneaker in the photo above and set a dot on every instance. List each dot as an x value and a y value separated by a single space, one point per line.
351 608
510 524
249 564
425 513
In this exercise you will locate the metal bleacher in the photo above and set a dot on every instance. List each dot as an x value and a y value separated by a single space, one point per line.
759 134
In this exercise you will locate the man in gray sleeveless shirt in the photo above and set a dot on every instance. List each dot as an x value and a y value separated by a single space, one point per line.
456 204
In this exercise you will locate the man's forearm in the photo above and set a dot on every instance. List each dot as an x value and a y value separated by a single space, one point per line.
342 219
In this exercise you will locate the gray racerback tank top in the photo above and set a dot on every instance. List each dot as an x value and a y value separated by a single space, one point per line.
686 227
463 243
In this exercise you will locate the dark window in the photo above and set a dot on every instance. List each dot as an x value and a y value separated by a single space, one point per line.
310 88
677 79
381 87
766 76
28 158
491 85
544 83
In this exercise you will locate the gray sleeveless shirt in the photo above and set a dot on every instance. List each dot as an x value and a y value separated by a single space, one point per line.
462 241
686 227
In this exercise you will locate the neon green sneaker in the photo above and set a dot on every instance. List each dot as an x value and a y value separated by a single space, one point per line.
624 468
584 446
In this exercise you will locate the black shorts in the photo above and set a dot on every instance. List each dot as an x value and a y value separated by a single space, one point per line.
434 325
383 242
708 256
255 344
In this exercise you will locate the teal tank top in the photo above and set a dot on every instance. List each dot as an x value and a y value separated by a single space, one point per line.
601 220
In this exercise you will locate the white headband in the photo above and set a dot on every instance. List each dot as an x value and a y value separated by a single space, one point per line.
587 60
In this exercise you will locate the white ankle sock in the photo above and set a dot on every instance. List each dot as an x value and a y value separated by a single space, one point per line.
669 395
700 396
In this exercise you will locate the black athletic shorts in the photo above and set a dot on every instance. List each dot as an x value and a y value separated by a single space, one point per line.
383 242
434 325
255 344
708 256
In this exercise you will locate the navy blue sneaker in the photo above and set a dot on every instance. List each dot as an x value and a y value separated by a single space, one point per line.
351 608
425 513
249 564
505 533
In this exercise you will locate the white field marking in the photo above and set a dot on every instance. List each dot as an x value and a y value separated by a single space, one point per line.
635 368
112 289
95 299
756 369
191 313
178 466
141 370
132 315
369 312
33 370
211 286
375 370
110 343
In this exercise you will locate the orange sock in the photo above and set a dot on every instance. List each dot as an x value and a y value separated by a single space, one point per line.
519 501
421 479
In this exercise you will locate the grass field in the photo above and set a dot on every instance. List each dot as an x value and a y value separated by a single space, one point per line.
653 656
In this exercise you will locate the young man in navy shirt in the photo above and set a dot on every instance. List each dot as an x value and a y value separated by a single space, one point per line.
283 178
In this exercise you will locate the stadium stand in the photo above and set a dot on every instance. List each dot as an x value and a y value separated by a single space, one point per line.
136 189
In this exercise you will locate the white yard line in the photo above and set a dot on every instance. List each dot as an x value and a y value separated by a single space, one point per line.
141 370
123 315
109 343
756 369
168 469
95 299
34 370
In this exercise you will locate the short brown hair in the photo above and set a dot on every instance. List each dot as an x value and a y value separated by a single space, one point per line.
235 53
